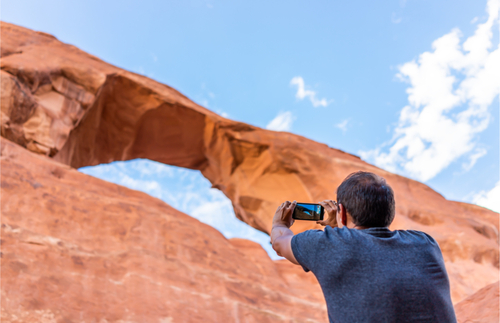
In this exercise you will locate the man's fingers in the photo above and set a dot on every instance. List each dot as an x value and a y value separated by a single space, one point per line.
289 209
327 206
285 205
290 205
328 202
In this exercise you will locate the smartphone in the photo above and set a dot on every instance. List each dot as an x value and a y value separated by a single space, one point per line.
308 211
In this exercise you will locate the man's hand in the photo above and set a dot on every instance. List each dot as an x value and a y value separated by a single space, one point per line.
283 215
331 209
281 235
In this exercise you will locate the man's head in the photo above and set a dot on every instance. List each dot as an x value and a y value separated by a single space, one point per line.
368 199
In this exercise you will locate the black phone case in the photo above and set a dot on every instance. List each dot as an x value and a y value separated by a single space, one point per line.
321 216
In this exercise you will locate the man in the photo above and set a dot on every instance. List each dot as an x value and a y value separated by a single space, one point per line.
367 272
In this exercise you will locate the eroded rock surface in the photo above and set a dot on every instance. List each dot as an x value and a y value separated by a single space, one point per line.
480 307
65 103
79 249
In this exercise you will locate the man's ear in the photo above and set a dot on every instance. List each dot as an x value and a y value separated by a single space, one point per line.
343 215
338 217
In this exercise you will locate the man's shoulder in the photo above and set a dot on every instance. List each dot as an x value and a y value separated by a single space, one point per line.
384 237
309 234
327 231
316 236
329 234
418 236
347 235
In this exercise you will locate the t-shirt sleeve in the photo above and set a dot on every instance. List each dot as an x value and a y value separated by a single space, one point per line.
305 248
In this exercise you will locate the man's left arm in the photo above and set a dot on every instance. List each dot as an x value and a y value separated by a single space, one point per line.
281 235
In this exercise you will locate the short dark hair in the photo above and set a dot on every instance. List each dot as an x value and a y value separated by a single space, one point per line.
368 199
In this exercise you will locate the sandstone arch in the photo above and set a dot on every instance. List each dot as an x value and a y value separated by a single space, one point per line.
82 111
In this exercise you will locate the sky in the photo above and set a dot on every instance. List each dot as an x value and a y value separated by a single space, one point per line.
410 86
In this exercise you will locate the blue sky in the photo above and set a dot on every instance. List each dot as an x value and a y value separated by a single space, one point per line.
411 86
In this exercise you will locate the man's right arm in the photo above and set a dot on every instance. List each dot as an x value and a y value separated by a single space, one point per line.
305 243
281 235
281 238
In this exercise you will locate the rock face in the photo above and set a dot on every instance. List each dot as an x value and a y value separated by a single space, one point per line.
79 249
64 103
480 307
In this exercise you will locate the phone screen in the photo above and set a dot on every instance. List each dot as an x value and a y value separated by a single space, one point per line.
308 211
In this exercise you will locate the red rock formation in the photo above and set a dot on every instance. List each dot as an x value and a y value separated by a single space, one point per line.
65 103
480 307
79 249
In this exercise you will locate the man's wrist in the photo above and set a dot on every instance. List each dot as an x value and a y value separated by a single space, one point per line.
274 234
280 225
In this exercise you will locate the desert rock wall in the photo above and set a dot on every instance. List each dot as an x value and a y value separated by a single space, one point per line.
61 102
79 249
481 306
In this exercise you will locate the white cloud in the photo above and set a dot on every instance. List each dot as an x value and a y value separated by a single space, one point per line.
282 122
302 93
147 167
395 20
450 91
204 103
480 152
489 199
210 211
151 187
342 125
217 211
223 113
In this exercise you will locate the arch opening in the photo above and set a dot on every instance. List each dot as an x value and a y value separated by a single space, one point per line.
185 190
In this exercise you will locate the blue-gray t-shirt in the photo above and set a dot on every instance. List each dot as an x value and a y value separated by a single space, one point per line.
377 275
